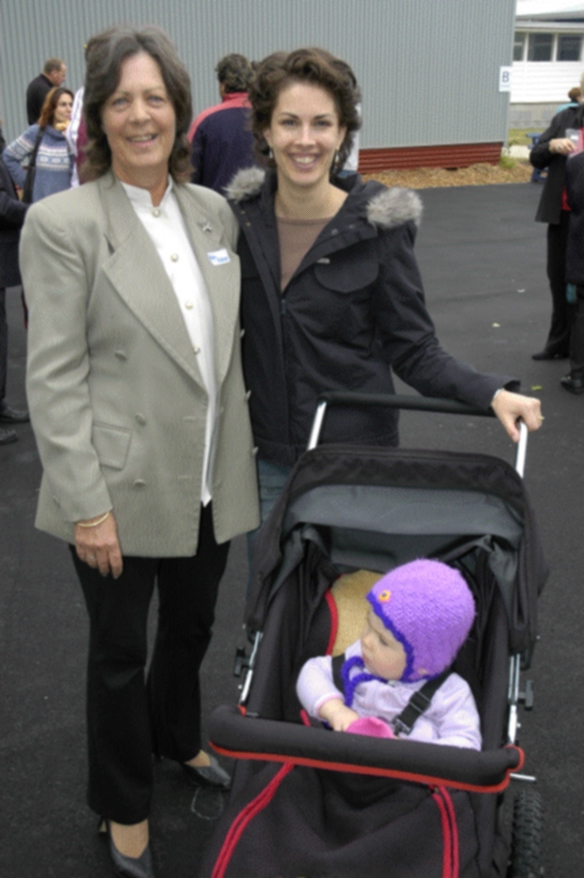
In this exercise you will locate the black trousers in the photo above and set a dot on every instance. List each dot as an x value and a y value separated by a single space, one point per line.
129 718
577 337
3 343
558 340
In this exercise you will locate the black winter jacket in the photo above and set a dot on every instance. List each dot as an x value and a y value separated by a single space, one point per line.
353 311
550 203
12 214
575 248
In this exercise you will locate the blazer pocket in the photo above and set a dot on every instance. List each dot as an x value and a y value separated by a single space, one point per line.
112 445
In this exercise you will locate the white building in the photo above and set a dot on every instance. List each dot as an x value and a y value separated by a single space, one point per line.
548 59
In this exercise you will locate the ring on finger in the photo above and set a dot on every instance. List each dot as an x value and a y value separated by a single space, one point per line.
91 557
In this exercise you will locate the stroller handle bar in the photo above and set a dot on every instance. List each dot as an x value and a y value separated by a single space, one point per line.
411 403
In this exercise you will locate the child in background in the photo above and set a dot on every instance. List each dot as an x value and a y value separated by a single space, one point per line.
420 614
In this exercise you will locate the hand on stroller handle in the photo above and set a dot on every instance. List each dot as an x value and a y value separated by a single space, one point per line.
517 413
513 407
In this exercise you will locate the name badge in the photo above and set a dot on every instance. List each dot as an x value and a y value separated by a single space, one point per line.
219 257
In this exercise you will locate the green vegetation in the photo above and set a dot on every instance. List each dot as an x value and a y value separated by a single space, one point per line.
506 162
518 137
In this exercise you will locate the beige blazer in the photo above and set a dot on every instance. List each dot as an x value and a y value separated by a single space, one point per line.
117 402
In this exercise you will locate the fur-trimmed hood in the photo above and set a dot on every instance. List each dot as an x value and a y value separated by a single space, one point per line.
386 208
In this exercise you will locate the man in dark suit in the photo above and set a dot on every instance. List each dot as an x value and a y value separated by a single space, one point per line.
12 213
53 75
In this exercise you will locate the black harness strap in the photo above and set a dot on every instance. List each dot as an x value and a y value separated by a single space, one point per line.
337 664
416 706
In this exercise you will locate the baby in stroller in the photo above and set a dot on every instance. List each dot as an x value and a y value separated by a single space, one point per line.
396 680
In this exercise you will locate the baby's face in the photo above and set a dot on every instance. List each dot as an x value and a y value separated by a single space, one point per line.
383 655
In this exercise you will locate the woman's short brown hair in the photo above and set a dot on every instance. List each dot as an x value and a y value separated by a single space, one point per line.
104 55
47 116
313 66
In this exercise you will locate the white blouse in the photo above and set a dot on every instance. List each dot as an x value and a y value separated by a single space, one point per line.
167 230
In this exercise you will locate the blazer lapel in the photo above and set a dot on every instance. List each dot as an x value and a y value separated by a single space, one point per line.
221 278
139 278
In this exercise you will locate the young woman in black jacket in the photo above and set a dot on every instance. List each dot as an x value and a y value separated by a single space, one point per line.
332 298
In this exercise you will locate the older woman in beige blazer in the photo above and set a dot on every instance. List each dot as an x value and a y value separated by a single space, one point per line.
141 417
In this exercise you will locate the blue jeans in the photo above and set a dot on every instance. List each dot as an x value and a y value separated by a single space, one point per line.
271 479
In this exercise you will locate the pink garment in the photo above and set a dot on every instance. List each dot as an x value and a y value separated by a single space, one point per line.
371 725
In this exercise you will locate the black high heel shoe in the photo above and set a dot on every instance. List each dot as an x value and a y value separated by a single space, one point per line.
553 353
212 775
127 867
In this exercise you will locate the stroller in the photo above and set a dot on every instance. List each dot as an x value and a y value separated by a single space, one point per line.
310 803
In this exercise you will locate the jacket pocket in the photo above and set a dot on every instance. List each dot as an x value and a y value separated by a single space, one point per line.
346 277
112 445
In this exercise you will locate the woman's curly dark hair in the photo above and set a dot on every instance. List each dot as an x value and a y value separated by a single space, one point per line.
313 66
104 55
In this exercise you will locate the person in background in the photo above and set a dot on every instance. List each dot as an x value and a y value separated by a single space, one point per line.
351 165
575 96
140 413
573 382
332 298
53 75
54 160
550 152
12 214
76 135
221 137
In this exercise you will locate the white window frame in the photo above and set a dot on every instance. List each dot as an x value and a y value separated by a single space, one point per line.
524 34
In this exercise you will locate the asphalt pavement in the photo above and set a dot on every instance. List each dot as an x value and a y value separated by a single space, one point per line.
483 262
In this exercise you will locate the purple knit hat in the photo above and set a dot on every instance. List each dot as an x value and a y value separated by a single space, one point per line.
429 608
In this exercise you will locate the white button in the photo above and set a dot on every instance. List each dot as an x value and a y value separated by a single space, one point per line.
174 257
196 349
156 212
188 305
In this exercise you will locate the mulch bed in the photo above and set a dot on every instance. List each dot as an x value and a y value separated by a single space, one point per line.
438 178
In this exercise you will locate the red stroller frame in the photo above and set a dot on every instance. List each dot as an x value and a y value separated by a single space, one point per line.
309 802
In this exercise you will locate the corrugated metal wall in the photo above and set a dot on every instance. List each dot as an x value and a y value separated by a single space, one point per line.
428 68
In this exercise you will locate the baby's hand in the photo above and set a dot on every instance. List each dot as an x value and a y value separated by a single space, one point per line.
337 714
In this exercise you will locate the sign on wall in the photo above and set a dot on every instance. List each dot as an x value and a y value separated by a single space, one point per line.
505 78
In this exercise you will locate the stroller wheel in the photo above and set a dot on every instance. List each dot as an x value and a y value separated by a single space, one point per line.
527 835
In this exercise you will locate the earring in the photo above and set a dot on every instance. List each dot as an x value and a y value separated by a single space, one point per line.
270 153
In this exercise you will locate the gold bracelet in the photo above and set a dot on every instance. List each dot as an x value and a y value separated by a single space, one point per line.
94 523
